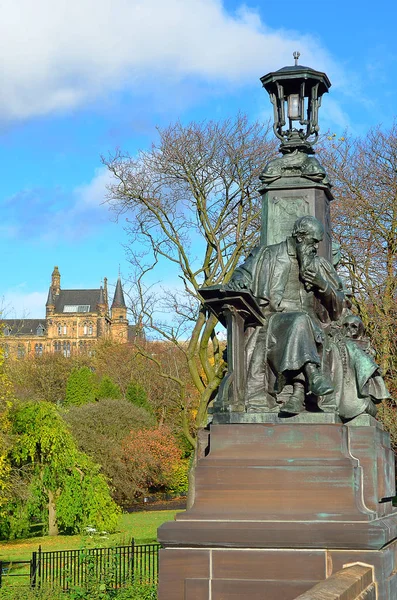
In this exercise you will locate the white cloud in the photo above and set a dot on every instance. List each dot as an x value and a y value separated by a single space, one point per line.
49 214
16 304
333 115
56 55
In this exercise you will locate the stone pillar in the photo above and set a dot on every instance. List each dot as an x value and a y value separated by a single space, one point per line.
281 207
295 185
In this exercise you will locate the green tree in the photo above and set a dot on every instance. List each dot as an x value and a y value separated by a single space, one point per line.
137 395
65 475
80 387
6 396
192 203
108 389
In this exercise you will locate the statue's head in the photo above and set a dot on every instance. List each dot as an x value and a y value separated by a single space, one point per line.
308 232
353 327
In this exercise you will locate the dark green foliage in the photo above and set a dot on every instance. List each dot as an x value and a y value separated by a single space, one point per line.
136 394
108 389
25 513
80 387
93 591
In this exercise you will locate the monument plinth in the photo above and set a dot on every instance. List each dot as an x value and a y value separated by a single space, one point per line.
279 507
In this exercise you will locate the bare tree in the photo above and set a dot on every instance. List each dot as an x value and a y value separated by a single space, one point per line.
364 173
191 202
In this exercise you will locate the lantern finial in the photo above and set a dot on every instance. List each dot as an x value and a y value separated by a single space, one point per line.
296 56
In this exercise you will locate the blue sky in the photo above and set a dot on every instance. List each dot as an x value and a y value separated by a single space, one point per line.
82 78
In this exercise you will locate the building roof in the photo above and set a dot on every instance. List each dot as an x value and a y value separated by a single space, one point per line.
118 300
50 298
77 298
23 327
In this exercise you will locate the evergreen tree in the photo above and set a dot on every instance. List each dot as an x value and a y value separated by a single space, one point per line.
108 390
80 387
137 395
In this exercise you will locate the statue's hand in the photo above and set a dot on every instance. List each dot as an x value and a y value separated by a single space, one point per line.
311 275
236 285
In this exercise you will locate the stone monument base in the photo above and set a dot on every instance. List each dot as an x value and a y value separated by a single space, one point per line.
280 506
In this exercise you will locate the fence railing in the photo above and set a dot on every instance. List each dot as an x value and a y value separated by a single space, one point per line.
116 566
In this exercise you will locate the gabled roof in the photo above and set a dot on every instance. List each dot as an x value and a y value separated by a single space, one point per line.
22 327
77 297
50 298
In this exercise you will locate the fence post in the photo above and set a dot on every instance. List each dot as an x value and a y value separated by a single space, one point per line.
33 567
132 560
39 567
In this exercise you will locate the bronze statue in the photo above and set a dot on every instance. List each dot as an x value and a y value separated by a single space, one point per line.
361 386
300 293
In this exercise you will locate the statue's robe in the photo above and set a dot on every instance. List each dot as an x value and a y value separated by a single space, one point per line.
362 384
296 318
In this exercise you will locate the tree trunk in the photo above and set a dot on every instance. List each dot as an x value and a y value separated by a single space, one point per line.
52 516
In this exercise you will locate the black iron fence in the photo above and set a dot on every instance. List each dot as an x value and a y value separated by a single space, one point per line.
116 567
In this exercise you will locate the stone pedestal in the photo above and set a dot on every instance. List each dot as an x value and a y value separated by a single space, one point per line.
280 506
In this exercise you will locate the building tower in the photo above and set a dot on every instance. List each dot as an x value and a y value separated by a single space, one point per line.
55 282
102 312
119 315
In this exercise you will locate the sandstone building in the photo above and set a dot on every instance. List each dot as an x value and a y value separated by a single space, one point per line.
74 321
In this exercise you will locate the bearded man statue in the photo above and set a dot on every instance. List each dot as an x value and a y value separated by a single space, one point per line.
300 295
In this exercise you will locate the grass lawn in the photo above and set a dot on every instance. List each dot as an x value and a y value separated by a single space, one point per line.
140 525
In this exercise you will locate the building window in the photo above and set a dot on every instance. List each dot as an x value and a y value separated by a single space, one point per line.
38 349
7 331
88 329
20 351
66 349
40 330
59 329
57 346
76 308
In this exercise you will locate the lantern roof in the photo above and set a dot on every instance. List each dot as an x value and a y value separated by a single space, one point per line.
287 77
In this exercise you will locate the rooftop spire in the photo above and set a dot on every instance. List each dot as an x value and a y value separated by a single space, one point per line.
118 300
56 281
296 56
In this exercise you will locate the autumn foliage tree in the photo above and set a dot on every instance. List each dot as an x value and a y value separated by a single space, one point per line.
191 204
153 456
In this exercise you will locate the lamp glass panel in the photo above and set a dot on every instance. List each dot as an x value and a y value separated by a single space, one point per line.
293 106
